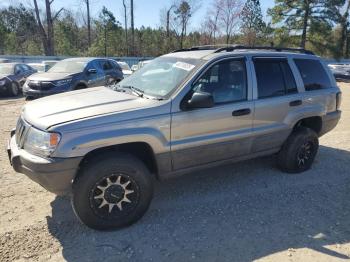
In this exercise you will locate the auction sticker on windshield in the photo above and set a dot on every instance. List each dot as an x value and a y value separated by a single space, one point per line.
184 66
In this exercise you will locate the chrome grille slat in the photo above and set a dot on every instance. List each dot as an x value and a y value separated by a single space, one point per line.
21 130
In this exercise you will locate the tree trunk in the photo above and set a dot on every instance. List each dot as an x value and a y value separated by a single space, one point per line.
344 30
182 33
132 28
347 49
88 21
42 32
305 23
105 33
126 29
50 36
168 22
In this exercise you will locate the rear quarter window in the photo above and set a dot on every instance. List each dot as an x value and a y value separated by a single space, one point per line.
313 74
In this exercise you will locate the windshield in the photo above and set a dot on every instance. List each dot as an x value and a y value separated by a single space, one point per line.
68 67
6 69
161 76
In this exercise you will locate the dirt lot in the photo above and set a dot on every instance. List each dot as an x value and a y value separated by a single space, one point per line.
242 212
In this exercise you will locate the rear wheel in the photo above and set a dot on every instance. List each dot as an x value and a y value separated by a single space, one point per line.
299 151
80 86
112 192
14 89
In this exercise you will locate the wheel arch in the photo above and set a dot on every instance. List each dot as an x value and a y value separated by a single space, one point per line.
312 122
141 150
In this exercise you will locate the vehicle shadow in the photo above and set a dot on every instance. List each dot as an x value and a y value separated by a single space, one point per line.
239 212
7 97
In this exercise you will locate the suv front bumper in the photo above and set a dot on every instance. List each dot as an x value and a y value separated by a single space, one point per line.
54 174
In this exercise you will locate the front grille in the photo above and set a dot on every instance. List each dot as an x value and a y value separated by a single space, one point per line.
21 130
36 85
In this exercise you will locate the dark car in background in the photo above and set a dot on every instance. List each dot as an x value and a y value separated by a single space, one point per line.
13 76
73 74
341 72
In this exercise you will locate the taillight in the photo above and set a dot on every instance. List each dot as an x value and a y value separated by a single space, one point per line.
338 100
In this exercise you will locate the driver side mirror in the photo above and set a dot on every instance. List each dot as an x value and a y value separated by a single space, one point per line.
92 71
17 72
200 100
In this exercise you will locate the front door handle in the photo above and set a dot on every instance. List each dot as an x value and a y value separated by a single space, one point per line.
296 103
241 112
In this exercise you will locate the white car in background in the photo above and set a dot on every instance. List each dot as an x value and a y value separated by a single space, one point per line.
40 67
134 68
125 68
49 63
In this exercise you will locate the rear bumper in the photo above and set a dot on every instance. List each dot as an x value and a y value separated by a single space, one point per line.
329 121
54 174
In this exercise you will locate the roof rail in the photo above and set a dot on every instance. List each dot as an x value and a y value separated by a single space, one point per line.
277 49
202 47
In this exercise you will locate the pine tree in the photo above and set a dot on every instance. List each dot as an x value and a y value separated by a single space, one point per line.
299 15
252 22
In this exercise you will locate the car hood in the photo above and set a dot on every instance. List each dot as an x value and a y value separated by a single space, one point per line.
47 76
70 106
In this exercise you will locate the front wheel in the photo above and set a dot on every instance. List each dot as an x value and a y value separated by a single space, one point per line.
113 191
299 151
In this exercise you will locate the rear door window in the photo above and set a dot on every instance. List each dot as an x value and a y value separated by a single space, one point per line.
313 74
274 77
106 65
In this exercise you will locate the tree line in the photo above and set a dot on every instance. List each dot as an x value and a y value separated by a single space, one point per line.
322 26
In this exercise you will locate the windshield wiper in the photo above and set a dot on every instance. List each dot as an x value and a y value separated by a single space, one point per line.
135 90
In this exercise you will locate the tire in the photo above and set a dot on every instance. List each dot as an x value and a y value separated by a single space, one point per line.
299 151
79 87
128 177
14 89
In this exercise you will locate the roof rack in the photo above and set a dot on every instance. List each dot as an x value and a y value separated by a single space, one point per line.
196 48
277 49
230 48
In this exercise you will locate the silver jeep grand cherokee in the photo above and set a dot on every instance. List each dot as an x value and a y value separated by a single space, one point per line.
190 109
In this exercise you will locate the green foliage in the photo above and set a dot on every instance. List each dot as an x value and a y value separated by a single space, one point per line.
253 26
17 25
252 18
327 30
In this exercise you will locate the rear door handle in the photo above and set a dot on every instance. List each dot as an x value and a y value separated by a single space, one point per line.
296 103
241 112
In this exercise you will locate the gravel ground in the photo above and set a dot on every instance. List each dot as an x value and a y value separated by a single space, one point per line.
242 212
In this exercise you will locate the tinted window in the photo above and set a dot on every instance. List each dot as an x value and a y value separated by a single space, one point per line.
269 78
25 67
106 65
291 86
226 81
313 74
274 77
18 69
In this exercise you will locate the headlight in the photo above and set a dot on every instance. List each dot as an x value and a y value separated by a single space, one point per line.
62 82
2 82
40 142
